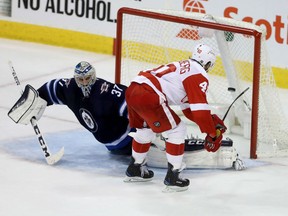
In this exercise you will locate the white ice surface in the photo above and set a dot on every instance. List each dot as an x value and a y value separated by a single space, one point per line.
89 181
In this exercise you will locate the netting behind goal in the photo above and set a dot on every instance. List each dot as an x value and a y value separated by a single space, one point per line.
147 38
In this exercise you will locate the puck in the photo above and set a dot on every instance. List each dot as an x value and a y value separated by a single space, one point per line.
231 89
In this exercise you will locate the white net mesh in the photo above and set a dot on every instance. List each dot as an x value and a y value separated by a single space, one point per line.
149 42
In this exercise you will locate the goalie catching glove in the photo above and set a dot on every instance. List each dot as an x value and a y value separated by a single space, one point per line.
212 144
29 105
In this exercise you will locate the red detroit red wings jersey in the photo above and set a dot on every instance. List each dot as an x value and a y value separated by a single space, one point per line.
183 83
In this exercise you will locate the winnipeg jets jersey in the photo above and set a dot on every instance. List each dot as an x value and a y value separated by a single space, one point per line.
104 113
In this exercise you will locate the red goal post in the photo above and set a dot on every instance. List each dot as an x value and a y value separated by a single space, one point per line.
147 38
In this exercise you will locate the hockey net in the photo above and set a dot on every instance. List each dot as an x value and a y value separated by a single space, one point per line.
148 38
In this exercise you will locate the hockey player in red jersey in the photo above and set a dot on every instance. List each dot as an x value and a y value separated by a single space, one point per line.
149 98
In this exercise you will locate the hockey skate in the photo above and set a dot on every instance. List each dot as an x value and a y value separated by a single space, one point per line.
239 164
138 172
173 182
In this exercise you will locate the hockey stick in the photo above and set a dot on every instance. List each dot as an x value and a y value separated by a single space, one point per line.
234 102
192 141
50 159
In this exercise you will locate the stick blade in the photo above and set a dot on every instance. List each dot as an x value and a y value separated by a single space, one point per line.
53 159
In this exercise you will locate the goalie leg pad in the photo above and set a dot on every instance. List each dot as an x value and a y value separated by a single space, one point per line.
198 157
29 105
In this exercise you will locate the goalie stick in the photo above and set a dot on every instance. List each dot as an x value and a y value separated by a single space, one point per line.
50 159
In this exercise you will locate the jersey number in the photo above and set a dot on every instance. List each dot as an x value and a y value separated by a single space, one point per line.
203 86
162 70
117 91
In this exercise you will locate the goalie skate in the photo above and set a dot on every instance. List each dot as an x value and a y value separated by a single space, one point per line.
239 164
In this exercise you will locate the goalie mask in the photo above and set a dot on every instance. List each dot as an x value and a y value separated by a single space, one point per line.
205 56
85 77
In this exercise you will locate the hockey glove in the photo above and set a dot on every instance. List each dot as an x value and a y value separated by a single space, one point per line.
219 124
29 105
212 144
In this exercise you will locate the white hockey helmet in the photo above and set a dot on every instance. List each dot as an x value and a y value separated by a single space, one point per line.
204 55
85 77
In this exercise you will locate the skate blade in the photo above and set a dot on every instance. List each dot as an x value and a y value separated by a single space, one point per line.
136 179
173 189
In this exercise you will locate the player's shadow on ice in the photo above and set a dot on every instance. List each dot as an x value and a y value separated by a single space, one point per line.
82 152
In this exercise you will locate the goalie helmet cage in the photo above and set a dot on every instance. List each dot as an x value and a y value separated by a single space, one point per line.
148 38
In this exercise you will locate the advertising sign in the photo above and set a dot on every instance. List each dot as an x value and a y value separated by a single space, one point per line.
100 16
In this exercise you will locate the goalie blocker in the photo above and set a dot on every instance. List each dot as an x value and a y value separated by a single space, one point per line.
196 156
28 106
